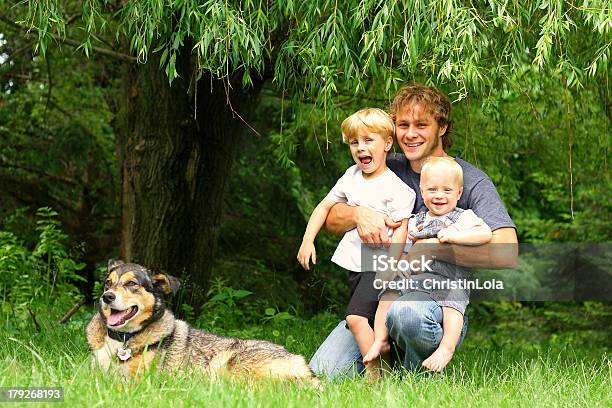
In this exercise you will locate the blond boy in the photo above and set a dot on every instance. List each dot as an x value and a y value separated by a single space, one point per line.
368 183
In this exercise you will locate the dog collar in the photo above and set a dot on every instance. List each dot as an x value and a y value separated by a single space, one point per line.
121 336
124 353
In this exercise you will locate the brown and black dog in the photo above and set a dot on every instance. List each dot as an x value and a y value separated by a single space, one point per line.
133 331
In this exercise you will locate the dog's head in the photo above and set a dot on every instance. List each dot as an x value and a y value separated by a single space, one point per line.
134 295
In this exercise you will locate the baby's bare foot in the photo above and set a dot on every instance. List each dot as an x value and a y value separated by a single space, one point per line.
439 359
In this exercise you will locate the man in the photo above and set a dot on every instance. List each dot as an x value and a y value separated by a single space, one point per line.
423 125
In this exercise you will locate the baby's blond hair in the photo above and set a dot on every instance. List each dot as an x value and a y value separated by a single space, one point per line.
373 119
442 163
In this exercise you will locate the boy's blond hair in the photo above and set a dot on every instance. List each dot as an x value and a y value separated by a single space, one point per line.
445 163
373 119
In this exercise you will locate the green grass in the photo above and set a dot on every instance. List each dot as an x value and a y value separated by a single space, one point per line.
499 365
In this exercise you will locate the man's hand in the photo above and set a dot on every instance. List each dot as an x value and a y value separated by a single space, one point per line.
372 226
420 250
500 253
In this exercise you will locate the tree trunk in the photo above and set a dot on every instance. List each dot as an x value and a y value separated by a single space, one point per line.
176 151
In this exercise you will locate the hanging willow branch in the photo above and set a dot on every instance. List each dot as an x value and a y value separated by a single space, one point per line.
570 143
319 47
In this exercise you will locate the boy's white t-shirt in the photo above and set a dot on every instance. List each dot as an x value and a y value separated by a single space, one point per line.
386 194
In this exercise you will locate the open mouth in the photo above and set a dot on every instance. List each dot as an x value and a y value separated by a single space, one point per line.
119 317
365 160
413 146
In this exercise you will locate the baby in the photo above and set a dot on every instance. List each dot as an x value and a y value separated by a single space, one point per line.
441 187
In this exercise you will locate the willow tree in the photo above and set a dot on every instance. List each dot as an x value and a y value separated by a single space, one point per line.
192 71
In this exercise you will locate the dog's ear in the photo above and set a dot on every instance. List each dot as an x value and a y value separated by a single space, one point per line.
113 263
167 284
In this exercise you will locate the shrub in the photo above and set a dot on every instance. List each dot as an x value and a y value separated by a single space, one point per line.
37 279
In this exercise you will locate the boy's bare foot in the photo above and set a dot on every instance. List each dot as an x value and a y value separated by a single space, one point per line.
378 349
377 360
439 359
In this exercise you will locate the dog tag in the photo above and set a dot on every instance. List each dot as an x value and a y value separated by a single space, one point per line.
124 353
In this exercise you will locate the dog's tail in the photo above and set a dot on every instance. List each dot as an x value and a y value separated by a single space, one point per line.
293 368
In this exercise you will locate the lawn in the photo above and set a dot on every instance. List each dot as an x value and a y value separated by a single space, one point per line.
509 363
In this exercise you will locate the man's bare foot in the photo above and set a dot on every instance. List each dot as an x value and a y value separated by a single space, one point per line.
439 359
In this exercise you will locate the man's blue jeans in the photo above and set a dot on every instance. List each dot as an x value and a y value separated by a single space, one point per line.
415 325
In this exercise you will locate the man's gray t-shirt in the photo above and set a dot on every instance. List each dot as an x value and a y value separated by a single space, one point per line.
479 193
480 196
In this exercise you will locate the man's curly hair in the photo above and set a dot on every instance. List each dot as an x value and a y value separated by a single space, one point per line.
432 100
